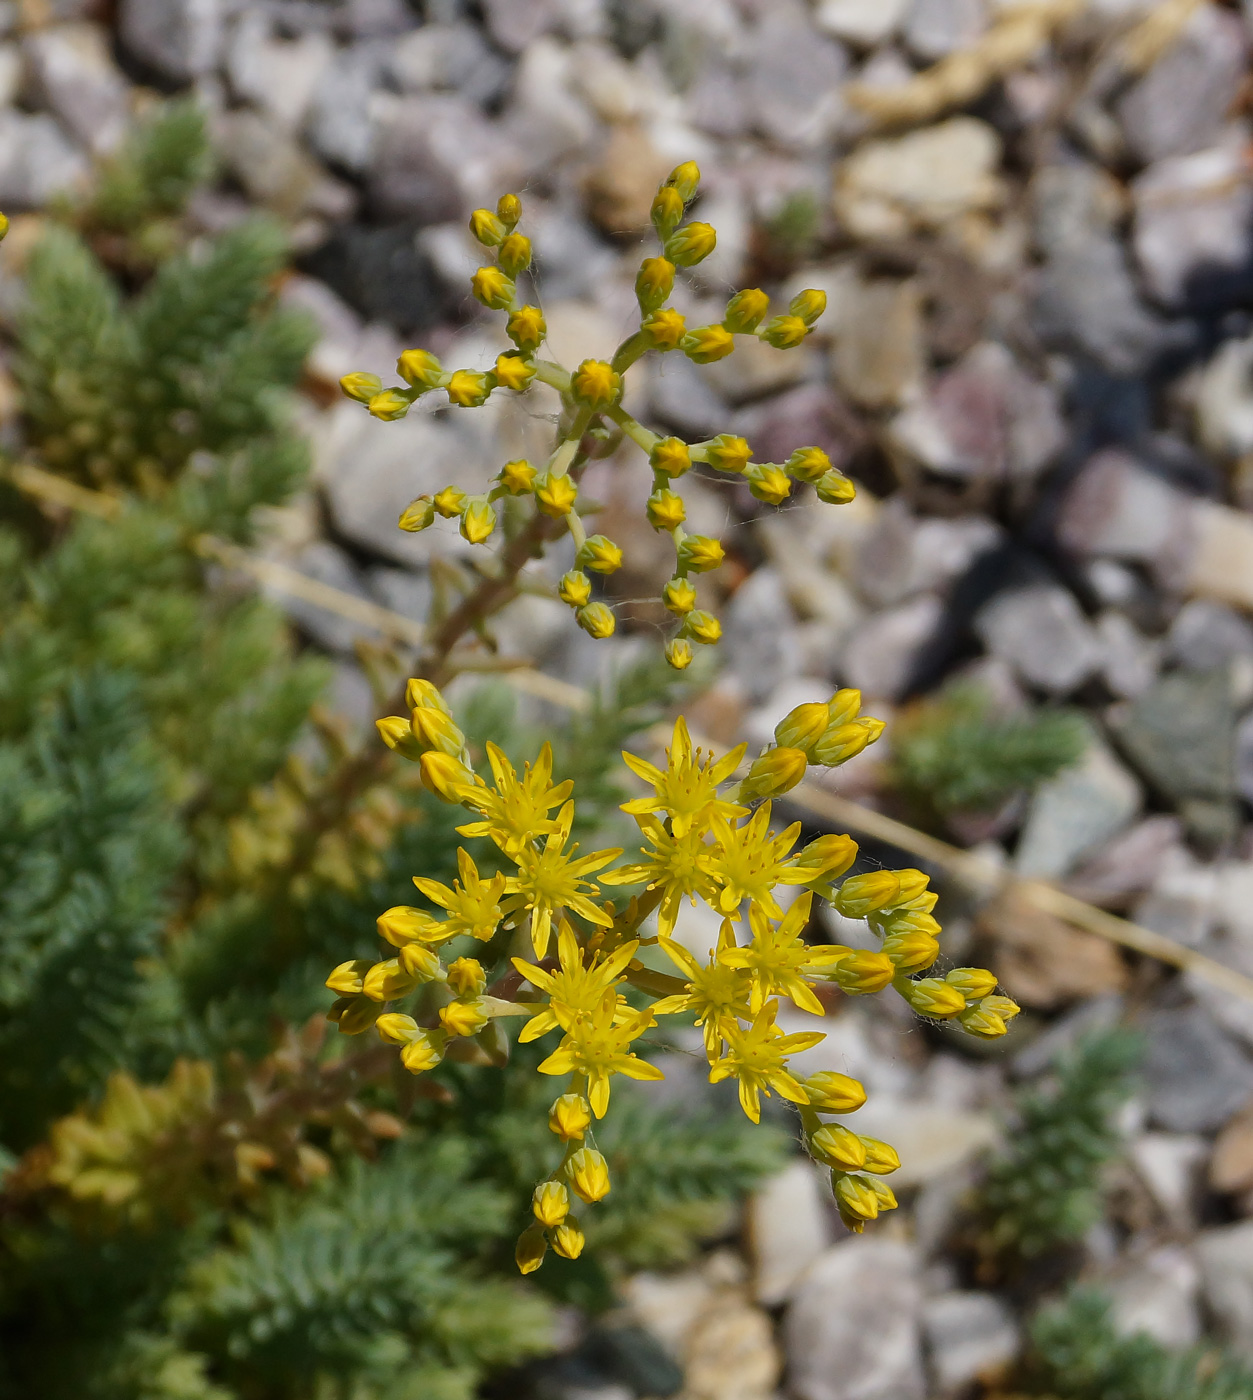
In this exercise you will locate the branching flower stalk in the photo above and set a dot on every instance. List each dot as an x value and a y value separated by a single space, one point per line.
591 407
707 838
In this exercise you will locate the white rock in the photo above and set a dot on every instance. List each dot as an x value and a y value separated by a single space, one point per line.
1226 1259
793 78
931 1139
36 160
72 73
1169 1165
549 121
880 356
1118 509
852 1330
935 28
1130 660
887 188
968 1335
180 38
1221 561
1224 400
864 22
1041 631
854 1044
10 74
1157 1295
281 76
788 1228
1076 813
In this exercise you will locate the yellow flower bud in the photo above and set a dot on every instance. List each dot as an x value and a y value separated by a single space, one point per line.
555 494
589 1175
705 344
863 973
487 227
911 952
665 510
914 891
515 254
360 386
570 1117
690 245
600 554
844 705
398 735
354 1014
462 1018
348 979
830 1092
836 1146
930 996
596 384
467 978
517 477
1004 1007
986 1025
703 627
478 520
666 212
550 1202
893 923
403 924
4 227
974 983
390 405
844 741
509 210
808 305
881 1157
387 980
450 501
784 332
445 776
575 589
664 329
493 288
768 482
433 729
513 372
685 179
777 771
567 1238
728 453
883 1193
653 283
419 368
856 1200
396 1028
802 727
825 857
863 894
423 1052
526 327
679 653
421 963
596 620
698 554
420 693
417 515
670 456
835 489
679 596
468 388
746 310
529 1252
808 464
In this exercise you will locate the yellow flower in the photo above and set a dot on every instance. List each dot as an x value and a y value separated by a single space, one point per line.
570 1117
757 1057
667 209
597 620
526 327
575 589
653 283
863 894
817 864
773 773
690 245
665 510
531 1247
450 501
600 554
664 329
702 627
729 453
550 1202
671 456
513 372
784 332
777 957
685 178
386 981
589 1175
699 554
746 310
679 653
595 383
835 489
880 1156
552 878
802 727
679 596
463 1018
686 790
599 1046
487 228
473 904
417 515
911 952
987 1019
468 388
349 977
434 729
403 924
705 344
555 493
768 482
390 405
717 993
575 990
808 305
516 809
677 864
423 1052
749 861
419 368
974 983
930 996
808 464
567 1238
361 386
515 254
837 1146
516 477
862 973
857 1201
844 741
446 776
478 522
492 288
830 1092
509 210
467 978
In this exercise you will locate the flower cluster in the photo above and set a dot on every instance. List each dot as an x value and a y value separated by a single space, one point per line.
591 396
706 837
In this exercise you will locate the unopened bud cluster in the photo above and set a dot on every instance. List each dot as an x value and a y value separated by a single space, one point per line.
591 396
704 841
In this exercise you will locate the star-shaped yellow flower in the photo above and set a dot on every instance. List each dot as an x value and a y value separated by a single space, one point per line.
757 1057
686 790
678 865
516 809
777 957
576 990
473 904
599 1046
749 861
719 994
